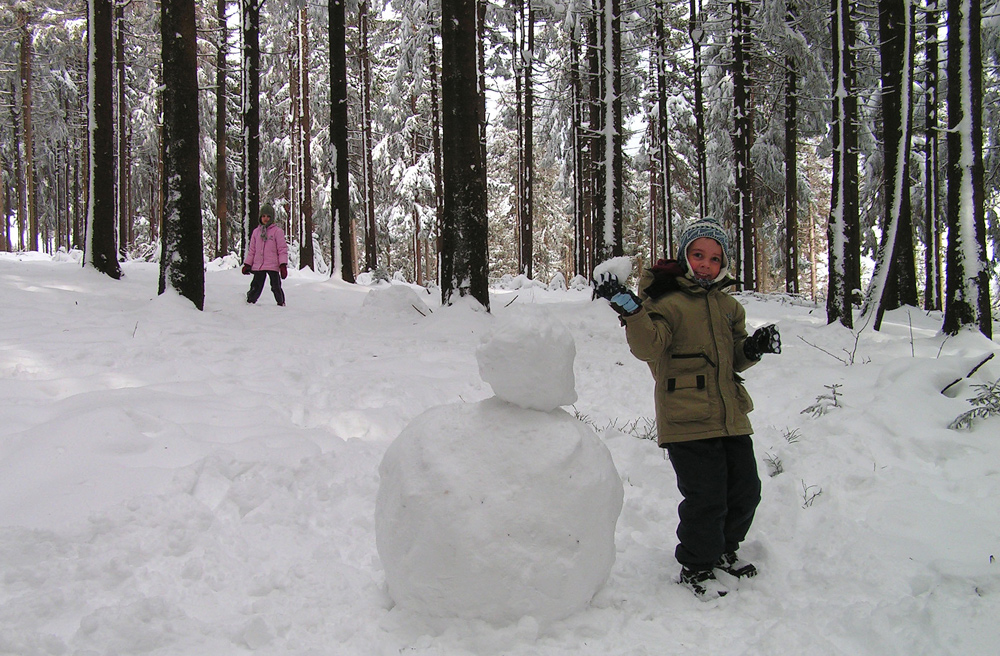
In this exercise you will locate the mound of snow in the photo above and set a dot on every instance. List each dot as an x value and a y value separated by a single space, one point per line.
528 361
495 512
396 299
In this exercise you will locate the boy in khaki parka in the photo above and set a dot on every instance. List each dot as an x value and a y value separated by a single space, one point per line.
692 334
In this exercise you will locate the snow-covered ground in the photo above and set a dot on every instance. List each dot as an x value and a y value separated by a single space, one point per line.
204 483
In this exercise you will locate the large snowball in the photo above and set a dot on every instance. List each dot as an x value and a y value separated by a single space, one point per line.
495 512
528 361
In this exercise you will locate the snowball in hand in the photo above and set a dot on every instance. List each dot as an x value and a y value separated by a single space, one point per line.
620 267
528 361
491 511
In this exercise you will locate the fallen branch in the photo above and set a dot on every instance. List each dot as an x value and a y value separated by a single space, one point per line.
974 370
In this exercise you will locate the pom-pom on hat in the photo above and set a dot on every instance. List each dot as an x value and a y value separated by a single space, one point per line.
706 227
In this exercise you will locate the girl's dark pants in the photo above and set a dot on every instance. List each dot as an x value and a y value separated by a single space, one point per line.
718 479
257 286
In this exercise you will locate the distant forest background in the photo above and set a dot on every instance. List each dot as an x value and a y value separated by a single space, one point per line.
816 131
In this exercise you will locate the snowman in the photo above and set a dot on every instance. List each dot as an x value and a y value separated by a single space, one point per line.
504 509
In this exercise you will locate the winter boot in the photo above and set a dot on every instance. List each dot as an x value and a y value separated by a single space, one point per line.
702 583
731 564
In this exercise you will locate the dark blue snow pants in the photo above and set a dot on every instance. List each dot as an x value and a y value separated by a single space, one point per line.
257 286
718 479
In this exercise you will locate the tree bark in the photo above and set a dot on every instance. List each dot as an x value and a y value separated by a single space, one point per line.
121 136
791 166
368 177
100 248
697 32
932 230
221 141
28 154
894 280
967 301
464 269
182 262
305 128
341 239
251 116
741 149
843 277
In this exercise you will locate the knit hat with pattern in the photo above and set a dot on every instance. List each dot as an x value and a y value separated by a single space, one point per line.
706 227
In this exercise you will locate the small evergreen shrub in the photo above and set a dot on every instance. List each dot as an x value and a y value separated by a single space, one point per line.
986 403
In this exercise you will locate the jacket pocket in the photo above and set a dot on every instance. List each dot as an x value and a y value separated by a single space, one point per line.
742 395
685 398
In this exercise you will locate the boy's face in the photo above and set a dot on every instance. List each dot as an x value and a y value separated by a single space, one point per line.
705 258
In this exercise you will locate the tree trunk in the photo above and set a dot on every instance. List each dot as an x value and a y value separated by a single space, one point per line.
121 140
100 243
596 148
182 263
697 32
967 301
251 116
221 171
791 167
609 158
464 269
371 228
436 144
843 220
24 25
305 127
341 239
663 132
741 148
932 230
894 280
527 148
581 161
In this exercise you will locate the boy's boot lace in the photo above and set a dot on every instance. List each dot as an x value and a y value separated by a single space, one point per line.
731 564
703 584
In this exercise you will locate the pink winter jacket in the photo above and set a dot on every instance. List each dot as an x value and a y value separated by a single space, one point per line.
267 254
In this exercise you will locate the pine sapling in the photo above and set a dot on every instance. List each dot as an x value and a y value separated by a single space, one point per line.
824 402
986 403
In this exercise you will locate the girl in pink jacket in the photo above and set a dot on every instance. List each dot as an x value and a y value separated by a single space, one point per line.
267 256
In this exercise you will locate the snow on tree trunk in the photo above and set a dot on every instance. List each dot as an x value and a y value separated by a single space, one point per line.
251 114
182 262
932 231
843 214
968 285
367 174
791 167
741 148
221 171
305 132
894 276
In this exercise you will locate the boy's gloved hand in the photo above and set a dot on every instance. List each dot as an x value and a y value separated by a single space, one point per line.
607 285
623 301
246 269
283 269
764 340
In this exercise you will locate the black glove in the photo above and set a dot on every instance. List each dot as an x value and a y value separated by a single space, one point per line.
764 340
622 300
607 285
